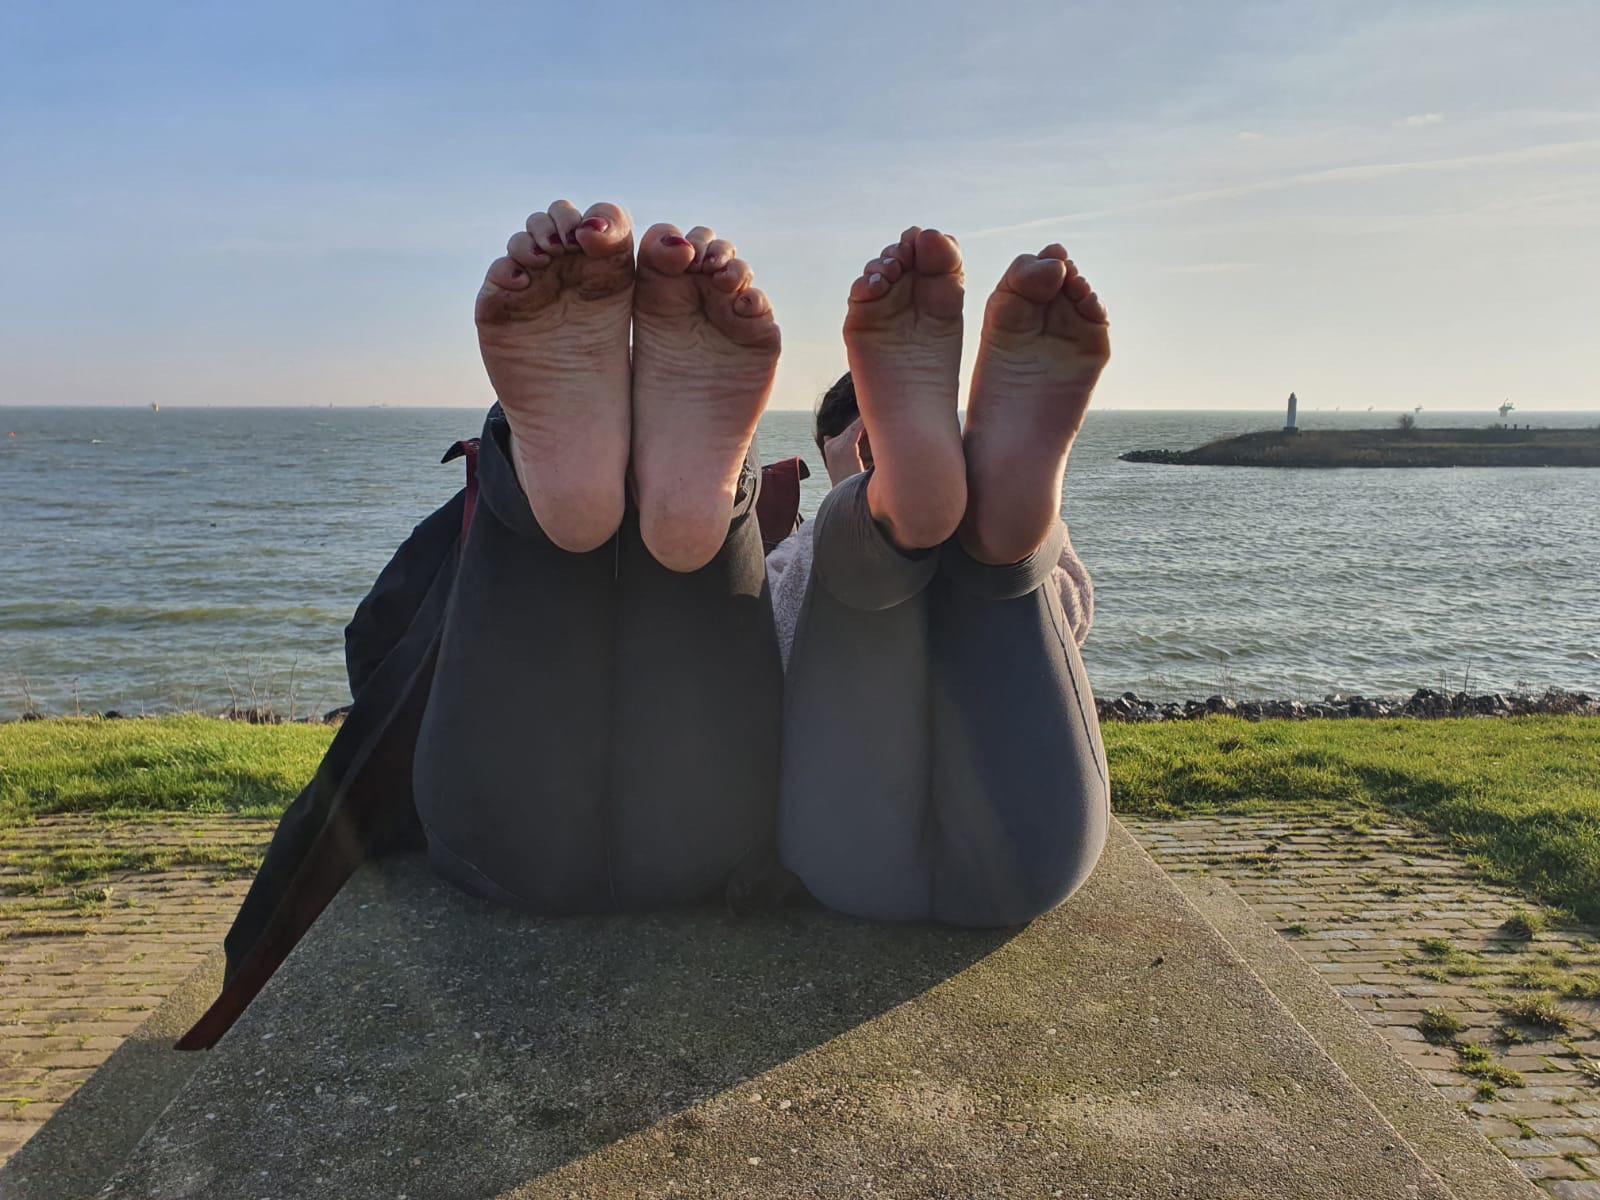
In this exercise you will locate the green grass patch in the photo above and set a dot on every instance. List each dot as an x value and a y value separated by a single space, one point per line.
1518 796
165 765
1476 1061
1440 1026
1525 923
1538 1011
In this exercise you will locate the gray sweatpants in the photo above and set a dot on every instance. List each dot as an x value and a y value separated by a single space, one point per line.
941 754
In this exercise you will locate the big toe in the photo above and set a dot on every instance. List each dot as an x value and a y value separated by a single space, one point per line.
937 253
1029 284
604 230
665 251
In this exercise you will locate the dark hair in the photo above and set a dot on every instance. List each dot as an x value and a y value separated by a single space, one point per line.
837 410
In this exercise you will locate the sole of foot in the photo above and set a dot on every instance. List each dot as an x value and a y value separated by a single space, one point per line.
902 333
553 317
705 349
1046 339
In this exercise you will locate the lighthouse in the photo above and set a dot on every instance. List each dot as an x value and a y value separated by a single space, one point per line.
1289 425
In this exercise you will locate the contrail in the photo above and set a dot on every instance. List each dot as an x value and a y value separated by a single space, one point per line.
1354 173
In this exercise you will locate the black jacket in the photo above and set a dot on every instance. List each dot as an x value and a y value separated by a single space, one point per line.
359 803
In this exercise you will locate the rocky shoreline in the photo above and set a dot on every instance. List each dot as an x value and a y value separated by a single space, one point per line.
1422 704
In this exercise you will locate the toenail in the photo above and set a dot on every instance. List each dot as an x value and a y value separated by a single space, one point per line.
875 278
672 239
598 224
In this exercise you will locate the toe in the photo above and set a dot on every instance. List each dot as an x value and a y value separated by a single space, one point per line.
752 302
1056 251
566 216
700 237
665 250
887 266
1091 308
544 232
936 254
745 318
1036 279
734 277
718 254
504 273
522 250
603 230
871 285
1077 288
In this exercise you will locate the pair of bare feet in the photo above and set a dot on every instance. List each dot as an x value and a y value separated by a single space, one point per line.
554 317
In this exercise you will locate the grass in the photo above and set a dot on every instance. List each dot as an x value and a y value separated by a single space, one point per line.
1478 1063
1539 1011
1439 1025
1525 923
169 765
1519 796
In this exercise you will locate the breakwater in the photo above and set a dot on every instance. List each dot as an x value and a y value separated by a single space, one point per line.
1409 447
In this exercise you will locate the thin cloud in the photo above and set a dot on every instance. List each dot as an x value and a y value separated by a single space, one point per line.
1354 173
1417 120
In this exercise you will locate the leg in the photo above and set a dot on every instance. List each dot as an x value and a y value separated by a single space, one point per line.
1019 795
698 682
854 799
694 781
511 762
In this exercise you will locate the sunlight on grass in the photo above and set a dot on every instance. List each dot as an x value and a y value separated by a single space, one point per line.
1520 797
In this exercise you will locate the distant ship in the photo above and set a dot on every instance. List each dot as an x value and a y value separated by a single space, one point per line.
1418 408
154 407
1507 407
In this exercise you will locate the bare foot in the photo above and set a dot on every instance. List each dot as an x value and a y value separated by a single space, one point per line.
705 347
553 321
903 335
1045 342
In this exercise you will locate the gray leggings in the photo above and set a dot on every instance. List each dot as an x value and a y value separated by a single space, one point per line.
941 753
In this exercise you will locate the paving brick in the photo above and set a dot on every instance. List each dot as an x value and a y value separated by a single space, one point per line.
1367 902
74 983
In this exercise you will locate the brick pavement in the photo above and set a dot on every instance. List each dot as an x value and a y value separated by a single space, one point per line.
82 964
1400 927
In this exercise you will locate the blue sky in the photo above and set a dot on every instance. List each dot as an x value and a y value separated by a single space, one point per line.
292 204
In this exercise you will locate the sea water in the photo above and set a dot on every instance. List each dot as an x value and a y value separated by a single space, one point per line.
193 558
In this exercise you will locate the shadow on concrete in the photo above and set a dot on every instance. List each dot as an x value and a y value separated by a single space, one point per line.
450 1044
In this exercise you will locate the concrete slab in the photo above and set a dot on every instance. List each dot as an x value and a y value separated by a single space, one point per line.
421 1044
79 1148
1432 1126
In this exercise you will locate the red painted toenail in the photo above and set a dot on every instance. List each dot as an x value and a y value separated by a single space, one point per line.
598 224
673 239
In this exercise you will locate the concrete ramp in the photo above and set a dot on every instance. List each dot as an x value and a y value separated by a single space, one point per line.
421 1044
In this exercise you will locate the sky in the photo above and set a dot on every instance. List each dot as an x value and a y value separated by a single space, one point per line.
294 203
